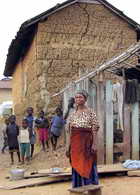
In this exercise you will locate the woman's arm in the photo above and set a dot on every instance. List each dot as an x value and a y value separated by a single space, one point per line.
95 128
68 134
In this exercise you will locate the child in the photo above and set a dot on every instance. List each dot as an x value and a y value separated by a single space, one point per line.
24 140
12 132
57 124
31 123
43 124
5 143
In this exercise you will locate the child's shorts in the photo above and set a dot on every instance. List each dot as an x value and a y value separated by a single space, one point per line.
25 149
43 134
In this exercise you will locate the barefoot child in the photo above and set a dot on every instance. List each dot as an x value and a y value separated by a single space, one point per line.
24 140
12 132
43 129
57 124
31 123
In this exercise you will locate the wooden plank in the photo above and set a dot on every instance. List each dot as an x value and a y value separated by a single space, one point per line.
135 131
135 173
95 192
110 168
39 175
101 118
50 171
10 185
127 132
109 123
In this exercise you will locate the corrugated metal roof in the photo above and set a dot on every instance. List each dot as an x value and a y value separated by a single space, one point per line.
19 46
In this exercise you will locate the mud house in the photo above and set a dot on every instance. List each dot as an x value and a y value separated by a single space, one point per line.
53 47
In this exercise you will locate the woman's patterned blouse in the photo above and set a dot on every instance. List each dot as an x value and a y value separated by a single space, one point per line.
86 119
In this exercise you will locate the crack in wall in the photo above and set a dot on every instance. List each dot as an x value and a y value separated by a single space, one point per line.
49 67
88 19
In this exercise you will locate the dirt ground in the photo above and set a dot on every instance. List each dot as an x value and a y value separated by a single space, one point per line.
121 185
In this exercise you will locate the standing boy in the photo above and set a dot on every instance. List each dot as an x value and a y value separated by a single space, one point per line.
31 123
12 132
24 140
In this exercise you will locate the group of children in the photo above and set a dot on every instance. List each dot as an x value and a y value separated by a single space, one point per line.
22 139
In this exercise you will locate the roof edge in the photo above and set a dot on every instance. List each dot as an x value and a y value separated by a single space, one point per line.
20 45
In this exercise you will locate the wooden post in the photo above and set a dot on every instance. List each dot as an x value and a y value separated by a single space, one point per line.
75 193
101 118
96 192
127 133
109 123
135 131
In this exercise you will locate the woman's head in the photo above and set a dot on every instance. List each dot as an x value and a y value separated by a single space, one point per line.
81 97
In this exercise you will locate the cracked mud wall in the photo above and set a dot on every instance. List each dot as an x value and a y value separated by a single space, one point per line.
79 37
76 38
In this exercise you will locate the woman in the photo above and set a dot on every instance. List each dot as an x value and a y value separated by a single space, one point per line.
83 127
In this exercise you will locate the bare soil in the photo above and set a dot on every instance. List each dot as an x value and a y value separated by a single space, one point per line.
121 185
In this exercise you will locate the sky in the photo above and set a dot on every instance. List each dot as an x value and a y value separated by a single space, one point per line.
13 13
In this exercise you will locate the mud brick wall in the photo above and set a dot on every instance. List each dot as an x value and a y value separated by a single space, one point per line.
76 38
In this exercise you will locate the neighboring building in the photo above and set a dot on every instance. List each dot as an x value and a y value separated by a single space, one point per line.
51 48
5 96
5 90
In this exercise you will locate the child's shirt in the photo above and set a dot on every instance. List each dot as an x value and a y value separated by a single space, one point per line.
57 124
24 136
42 123
12 132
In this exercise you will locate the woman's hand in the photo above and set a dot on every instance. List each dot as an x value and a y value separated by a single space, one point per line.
94 148
68 154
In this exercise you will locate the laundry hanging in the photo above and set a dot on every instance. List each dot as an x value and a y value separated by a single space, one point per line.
132 92
118 97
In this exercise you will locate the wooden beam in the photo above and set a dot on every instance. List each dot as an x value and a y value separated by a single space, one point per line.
127 133
101 118
109 123
135 131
